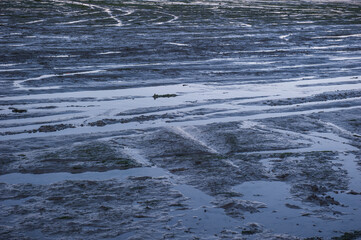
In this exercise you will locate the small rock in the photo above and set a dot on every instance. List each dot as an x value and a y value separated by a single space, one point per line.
16 110
352 192
292 206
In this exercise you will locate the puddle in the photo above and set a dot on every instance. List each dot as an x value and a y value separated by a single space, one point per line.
50 178
203 217
288 219
11 202
350 164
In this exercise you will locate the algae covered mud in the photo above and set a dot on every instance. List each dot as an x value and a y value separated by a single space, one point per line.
180 119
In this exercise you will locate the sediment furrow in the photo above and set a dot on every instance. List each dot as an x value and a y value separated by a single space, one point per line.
183 133
195 102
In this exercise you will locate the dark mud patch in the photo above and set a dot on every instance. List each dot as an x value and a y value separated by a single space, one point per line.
237 207
54 128
43 129
75 158
322 200
145 118
73 208
103 122
349 236
137 119
327 96
47 107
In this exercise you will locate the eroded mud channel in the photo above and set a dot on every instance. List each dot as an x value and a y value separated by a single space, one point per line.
180 119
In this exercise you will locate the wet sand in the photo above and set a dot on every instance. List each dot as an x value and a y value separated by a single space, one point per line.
180 119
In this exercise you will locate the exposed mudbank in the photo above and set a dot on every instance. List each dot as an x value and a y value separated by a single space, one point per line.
180 119
93 209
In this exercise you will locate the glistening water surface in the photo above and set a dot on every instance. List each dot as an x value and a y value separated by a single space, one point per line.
164 119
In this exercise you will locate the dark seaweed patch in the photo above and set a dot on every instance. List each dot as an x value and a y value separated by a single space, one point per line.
155 96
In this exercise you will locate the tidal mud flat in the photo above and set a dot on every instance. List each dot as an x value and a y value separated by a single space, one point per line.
180 119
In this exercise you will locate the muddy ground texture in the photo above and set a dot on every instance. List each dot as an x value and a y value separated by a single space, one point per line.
180 119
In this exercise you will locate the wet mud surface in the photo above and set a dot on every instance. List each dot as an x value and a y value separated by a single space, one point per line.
180 119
